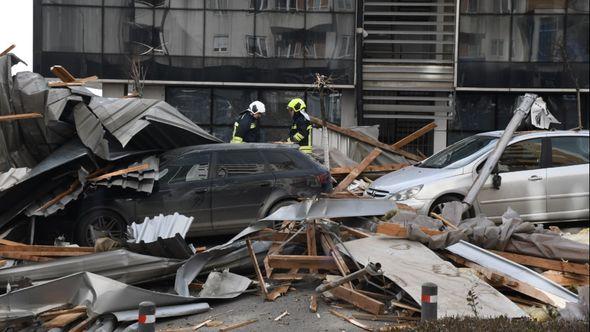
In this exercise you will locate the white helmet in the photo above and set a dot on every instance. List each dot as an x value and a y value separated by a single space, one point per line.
257 107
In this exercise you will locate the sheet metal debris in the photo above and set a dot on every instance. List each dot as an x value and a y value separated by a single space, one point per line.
12 176
164 312
333 208
99 294
224 285
492 261
159 227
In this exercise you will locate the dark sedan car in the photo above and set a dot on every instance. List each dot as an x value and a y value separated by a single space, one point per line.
223 186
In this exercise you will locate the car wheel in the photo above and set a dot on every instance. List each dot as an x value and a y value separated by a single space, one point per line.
437 206
102 221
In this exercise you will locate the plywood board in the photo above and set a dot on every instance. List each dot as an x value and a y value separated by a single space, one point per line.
410 264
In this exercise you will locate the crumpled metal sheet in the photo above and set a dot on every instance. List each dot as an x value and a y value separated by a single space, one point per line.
93 132
12 176
193 266
37 208
120 265
159 226
142 181
332 208
99 294
174 247
126 118
224 285
164 312
514 270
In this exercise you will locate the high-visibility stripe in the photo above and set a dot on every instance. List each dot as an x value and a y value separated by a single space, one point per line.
146 319
237 139
429 298
298 137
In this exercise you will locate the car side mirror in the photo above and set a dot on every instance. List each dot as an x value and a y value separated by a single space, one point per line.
496 181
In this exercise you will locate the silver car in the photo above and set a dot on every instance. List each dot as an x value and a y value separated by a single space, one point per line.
543 176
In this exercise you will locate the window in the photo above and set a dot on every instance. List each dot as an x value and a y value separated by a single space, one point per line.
346 47
238 163
343 5
289 5
567 151
464 151
280 161
521 156
220 43
318 4
217 4
258 4
497 47
192 167
256 45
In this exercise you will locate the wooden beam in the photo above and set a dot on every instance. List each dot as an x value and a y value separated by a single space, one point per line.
63 320
413 136
545 263
370 168
11 243
312 249
358 299
24 257
366 139
313 303
351 320
47 315
62 73
60 196
7 50
22 116
567 279
302 262
257 269
358 170
32 248
356 232
393 229
83 325
136 168
443 220
296 276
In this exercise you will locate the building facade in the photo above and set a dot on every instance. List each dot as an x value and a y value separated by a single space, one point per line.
398 64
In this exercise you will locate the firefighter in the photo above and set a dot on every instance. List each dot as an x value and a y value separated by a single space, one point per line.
246 128
300 132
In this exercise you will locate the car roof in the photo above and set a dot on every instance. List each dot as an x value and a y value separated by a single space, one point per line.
228 147
520 135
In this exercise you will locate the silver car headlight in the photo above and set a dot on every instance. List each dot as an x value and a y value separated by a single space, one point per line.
406 194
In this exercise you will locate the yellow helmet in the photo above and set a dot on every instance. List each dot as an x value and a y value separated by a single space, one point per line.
296 104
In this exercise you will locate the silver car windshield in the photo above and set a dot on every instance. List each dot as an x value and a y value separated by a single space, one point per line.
460 153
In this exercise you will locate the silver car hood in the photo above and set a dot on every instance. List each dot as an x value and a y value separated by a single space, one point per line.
412 176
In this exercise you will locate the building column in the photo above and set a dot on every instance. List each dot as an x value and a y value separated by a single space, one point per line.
348 108
440 135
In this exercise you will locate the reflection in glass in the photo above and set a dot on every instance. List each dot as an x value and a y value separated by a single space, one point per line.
577 38
332 106
193 103
486 6
318 5
129 31
539 6
229 103
276 106
329 36
285 33
237 26
71 29
484 38
578 6
537 37
180 32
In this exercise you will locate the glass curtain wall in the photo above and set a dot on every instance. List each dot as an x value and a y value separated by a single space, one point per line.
523 44
272 41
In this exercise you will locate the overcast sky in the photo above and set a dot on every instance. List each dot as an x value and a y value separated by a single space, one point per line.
16 27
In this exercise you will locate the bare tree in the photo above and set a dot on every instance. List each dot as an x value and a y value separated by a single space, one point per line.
321 85
137 73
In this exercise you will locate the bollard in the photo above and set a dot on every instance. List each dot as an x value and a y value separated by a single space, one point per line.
429 301
147 317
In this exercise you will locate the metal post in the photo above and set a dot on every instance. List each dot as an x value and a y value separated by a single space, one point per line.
519 114
147 317
429 302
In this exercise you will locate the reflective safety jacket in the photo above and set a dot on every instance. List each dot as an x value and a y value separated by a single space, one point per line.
246 129
301 132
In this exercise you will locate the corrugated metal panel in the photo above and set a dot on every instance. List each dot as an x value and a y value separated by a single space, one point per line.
12 176
160 226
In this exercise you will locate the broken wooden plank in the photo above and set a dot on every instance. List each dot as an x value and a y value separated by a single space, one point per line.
47 315
34 248
330 249
313 303
413 136
443 220
366 139
23 116
279 317
7 50
351 320
296 276
358 170
356 232
359 300
131 169
11 243
545 263
383 318
566 279
63 74
257 269
83 325
24 257
63 320
237 325
301 262
370 168
59 197
393 229
312 249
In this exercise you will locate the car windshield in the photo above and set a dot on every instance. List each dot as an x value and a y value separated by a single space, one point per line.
460 153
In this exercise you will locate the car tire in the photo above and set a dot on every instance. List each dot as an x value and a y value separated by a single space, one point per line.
102 220
438 204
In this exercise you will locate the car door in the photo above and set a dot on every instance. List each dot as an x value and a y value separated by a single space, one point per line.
240 186
183 187
524 183
567 178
